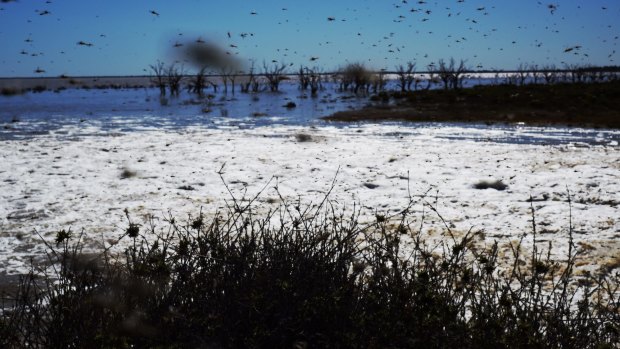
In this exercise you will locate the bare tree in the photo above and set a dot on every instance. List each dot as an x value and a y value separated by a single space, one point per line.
535 73
356 77
274 74
522 73
432 71
199 82
549 73
378 81
410 78
158 76
601 75
457 73
451 74
252 83
232 78
577 72
310 78
229 74
316 82
175 76
416 82
223 72
303 78
343 81
405 76
445 72
511 79
593 74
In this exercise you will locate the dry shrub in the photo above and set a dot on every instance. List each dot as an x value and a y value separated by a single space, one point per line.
301 277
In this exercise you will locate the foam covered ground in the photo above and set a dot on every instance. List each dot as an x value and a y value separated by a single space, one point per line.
60 181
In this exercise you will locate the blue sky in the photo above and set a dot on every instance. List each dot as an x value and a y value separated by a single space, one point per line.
126 37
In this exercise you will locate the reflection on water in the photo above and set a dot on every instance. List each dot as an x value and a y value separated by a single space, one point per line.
112 111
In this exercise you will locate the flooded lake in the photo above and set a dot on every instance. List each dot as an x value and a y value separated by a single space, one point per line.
109 111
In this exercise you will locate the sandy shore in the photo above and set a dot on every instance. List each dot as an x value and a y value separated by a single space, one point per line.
58 182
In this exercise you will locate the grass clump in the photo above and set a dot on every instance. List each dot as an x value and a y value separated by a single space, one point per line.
306 277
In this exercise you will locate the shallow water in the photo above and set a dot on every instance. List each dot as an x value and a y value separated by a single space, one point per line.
114 111
126 110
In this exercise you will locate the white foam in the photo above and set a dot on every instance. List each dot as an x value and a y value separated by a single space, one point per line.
57 182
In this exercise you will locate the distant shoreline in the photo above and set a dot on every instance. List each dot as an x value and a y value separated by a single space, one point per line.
19 85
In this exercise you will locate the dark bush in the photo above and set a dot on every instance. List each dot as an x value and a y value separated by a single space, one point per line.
306 277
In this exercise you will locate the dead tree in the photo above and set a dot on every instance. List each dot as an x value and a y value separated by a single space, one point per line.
199 82
355 77
592 74
451 74
175 76
343 81
158 76
316 83
410 78
457 73
445 73
535 73
274 74
303 78
378 81
232 78
310 78
416 83
432 71
229 74
252 83
223 72
577 72
405 76
510 79
549 73
522 73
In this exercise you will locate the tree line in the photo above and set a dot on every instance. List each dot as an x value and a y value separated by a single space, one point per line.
357 78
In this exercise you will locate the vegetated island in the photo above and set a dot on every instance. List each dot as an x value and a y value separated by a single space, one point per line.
569 104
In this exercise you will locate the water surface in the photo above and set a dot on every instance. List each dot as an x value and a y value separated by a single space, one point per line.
113 111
